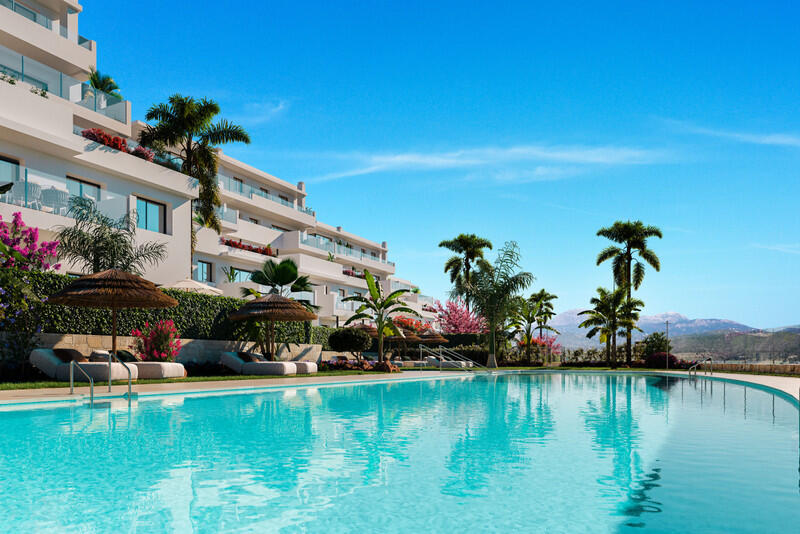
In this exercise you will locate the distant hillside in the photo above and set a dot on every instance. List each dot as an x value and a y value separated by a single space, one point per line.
679 325
753 345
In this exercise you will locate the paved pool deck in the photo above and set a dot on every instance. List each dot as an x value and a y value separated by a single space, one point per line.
785 384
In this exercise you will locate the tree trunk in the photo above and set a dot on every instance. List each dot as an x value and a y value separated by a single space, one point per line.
614 348
492 361
628 335
608 351
380 346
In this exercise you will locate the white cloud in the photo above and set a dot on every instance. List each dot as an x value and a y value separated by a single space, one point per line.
498 159
786 248
772 139
255 113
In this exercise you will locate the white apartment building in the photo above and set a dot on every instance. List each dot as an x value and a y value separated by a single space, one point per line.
45 104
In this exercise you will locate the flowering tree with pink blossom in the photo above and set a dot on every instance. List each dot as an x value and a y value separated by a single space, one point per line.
456 318
547 345
31 255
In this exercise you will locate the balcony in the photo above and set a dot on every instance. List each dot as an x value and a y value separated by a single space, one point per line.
248 191
323 243
53 82
45 22
37 190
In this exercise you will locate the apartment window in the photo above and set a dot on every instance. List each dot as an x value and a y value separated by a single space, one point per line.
204 272
151 215
285 199
9 170
83 189
252 220
25 12
363 251
240 275
238 185
281 229
342 293
264 190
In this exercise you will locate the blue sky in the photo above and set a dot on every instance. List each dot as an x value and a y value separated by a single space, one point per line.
539 123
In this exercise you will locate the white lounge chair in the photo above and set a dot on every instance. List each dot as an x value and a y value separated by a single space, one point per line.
147 370
233 361
57 366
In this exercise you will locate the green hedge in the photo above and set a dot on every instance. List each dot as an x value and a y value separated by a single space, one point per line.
196 316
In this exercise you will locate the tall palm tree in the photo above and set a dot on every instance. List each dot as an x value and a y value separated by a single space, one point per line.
629 269
185 125
546 310
610 312
469 250
523 321
96 242
103 82
281 278
380 309
494 287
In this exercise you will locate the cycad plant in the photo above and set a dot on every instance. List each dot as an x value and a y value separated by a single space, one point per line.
96 242
629 269
494 287
469 251
611 312
186 125
283 278
380 309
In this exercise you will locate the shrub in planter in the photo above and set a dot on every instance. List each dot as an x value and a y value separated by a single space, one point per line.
142 152
350 340
157 343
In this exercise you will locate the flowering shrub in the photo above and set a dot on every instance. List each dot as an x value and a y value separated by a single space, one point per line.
414 325
158 343
354 274
266 251
548 344
32 255
142 152
455 318
99 136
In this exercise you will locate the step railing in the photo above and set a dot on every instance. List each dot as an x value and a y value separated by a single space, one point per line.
72 365
112 355
444 355
701 362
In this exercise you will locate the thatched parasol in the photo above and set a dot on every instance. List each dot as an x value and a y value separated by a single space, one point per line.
407 337
432 337
270 309
112 289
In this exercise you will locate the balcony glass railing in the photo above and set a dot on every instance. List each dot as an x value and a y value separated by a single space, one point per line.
426 300
246 190
46 192
400 285
45 22
347 306
56 83
328 245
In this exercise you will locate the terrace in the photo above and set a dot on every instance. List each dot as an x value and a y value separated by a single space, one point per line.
44 21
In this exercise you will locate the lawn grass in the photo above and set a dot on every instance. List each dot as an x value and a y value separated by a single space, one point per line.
227 378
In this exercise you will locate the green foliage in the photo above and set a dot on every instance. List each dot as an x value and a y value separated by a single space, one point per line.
103 82
197 316
96 242
350 340
469 250
655 342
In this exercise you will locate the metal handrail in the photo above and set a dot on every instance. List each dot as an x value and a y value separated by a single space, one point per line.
72 365
461 357
110 355
444 352
701 362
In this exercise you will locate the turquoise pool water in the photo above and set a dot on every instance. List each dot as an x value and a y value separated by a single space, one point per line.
527 453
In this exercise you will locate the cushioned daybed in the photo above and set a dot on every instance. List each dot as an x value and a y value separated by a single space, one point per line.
146 370
55 364
247 363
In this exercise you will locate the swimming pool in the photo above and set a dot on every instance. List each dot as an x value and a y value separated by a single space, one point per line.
550 452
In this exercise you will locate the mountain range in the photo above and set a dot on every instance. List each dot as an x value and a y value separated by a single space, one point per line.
571 336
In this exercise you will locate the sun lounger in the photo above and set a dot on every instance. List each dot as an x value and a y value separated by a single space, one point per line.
146 370
55 364
236 361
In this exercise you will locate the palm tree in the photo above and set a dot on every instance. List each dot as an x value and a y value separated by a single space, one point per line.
96 242
380 309
185 125
103 82
282 278
629 270
611 311
494 287
546 310
468 249
523 321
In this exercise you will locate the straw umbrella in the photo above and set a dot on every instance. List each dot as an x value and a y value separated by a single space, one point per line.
193 286
432 338
368 328
269 309
408 338
115 290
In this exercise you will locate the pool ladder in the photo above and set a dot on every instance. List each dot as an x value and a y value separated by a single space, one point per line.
701 362
443 355
72 365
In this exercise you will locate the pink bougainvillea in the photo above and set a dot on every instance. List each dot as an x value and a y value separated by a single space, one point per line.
158 343
546 343
455 318
25 240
